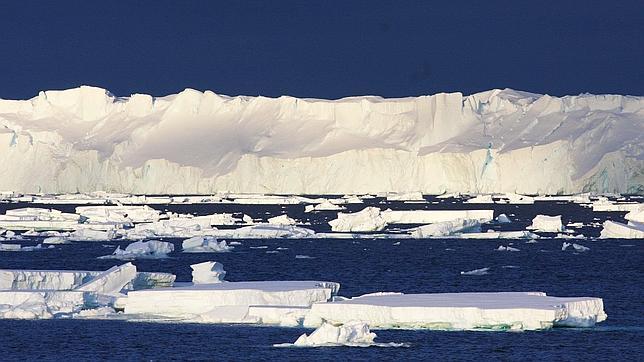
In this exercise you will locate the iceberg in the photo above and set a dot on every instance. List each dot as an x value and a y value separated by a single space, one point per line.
446 228
207 272
461 311
368 219
496 141
205 244
111 281
616 230
190 302
546 223
152 249
354 334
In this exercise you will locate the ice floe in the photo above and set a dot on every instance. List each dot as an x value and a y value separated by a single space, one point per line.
152 249
616 230
205 244
207 272
545 223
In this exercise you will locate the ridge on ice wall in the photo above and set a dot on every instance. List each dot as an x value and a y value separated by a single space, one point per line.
85 139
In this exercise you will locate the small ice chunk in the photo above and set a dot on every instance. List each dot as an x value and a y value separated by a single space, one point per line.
368 219
208 272
482 271
282 220
577 247
546 223
506 248
56 240
205 244
153 249
352 333
503 219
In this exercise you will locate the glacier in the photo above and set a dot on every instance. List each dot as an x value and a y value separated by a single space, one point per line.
85 139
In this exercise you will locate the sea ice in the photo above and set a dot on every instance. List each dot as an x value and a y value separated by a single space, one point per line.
446 228
205 244
461 311
503 219
616 230
208 272
111 281
368 219
353 333
506 248
152 249
546 223
482 271
282 220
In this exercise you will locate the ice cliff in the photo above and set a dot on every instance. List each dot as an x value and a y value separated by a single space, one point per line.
85 139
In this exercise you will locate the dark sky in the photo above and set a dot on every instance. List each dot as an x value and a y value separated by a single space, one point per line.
326 49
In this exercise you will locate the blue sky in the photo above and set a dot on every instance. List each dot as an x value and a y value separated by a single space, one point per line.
326 49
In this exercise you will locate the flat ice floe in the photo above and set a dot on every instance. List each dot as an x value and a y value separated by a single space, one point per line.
546 223
152 249
213 300
616 230
205 244
461 311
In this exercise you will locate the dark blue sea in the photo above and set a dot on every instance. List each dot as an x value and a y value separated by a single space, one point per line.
611 269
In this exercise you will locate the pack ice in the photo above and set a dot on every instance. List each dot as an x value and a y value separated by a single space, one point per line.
85 139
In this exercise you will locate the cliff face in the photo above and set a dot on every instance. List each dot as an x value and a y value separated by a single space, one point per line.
85 139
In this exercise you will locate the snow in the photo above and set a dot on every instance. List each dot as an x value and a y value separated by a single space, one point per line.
462 311
368 219
497 141
616 230
194 300
546 223
208 272
152 249
204 244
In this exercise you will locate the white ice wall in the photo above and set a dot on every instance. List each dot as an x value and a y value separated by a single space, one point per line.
85 139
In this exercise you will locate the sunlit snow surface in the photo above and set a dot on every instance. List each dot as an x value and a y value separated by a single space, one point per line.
86 139
373 261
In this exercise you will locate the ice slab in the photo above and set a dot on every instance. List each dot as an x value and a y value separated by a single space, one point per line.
70 279
546 223
282 220
353 333
38 219
446 228
462 311
205 244
111 281
616 230
118 214
368 219
27 304
435 216
152 249
189 301
207 272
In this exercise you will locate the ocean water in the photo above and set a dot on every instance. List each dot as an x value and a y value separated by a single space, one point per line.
611 269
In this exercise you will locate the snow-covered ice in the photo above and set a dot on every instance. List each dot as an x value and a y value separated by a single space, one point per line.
500 140
208 272
446 228
616 230
204 244
462 311
368 219
434 216
545 223
152 249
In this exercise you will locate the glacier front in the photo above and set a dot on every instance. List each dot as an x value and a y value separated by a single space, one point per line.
85 139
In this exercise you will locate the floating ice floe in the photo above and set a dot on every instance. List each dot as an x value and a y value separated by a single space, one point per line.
446 228
577 247
207 272
43 294
491 234
405 196
152 249
506 248
118 214
18 247
604 204
616 230
205 244
38 219
326 205
368 219
434 216
282 220
503 219
461 311
231 302
482 271
53 240
545 223
265 231
351 334
480 199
